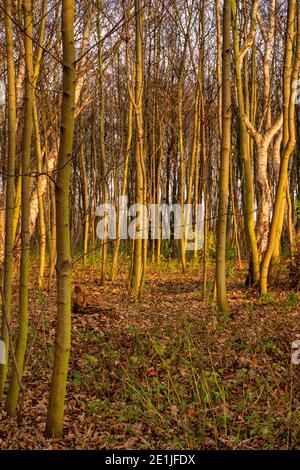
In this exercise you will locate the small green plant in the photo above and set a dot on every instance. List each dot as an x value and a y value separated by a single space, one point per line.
77 379
268 299
269 346
249 306
94 407
292 299
90 360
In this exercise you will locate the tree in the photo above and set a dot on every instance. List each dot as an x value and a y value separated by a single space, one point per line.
291 74
138 262
14 389
55 415
10 189
239 55
104 185
225 158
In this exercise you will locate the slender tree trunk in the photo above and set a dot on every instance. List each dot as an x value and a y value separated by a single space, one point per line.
85 196
219 65
10 186
244 140
138 258
103 249
42 225
55 416
291 74
14 389
117 243
225 158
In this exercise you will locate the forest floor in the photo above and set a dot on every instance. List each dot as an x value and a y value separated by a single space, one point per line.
169 372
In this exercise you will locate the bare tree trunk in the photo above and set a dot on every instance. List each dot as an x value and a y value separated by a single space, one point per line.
225 158
291 74
14 389
10 186
55 415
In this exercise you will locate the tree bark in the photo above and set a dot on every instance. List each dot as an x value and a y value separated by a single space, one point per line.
55 415
225 159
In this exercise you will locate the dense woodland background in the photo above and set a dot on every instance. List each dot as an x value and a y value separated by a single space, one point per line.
164 102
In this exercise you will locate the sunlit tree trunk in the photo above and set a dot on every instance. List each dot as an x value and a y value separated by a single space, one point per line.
225 158
55 415
239 54
123 190
138 256
129 132
85 196
103 249
182 152
14 389
8 250
291 74
219 65
42 224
